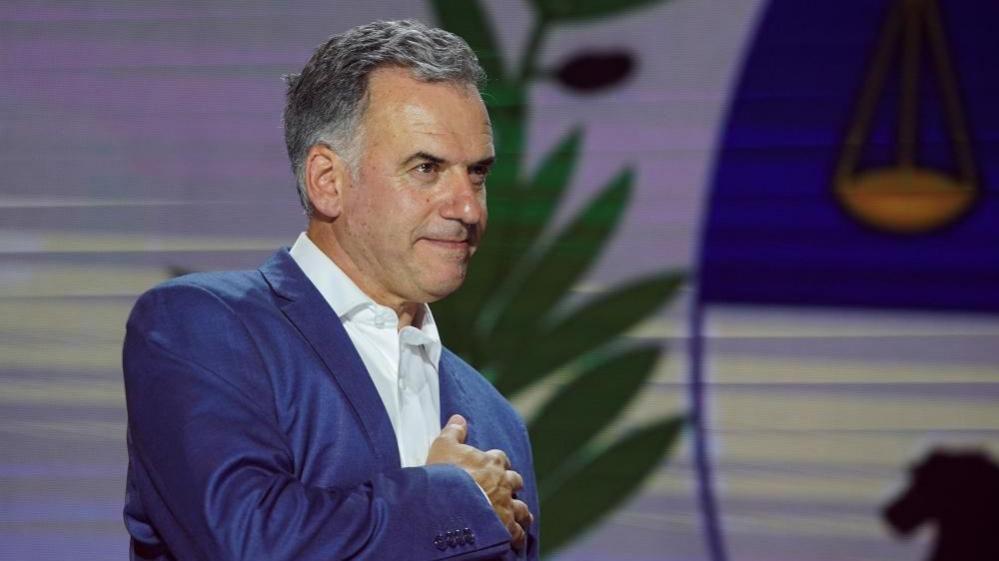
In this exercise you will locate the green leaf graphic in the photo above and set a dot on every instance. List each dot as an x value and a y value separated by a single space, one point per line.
560 266
597 322
602 482
544 193
466 18
580 410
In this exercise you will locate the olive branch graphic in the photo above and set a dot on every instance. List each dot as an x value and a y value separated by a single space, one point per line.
511 319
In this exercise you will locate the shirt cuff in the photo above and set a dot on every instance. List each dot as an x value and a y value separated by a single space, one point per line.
484 494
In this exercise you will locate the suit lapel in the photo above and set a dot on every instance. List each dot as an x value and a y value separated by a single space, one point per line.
311 314
455 399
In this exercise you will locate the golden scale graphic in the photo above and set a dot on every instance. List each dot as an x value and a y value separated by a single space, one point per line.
907 198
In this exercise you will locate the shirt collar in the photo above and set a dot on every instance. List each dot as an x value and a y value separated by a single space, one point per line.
344 296
335 286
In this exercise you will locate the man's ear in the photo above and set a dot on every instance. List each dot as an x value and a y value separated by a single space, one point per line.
326 177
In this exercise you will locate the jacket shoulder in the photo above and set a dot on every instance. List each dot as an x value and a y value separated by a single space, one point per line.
200 320
196 294
224 285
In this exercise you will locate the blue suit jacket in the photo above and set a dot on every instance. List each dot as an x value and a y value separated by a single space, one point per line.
255 433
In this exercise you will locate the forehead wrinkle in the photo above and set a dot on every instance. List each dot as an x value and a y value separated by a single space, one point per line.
441 146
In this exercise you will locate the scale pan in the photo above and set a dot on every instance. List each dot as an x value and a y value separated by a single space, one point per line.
904 200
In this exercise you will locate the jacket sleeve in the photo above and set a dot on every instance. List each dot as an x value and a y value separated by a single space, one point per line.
215 477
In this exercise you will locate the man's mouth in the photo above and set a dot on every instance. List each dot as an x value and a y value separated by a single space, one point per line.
452 243
462 247
456 240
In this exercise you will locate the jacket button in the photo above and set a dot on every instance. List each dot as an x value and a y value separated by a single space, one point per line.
469 536
440 542
452 539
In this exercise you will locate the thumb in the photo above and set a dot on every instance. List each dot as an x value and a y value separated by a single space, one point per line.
456 429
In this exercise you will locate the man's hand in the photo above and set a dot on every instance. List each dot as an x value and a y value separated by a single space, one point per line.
491 470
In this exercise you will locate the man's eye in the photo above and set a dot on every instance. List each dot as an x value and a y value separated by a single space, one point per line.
426 168
478 174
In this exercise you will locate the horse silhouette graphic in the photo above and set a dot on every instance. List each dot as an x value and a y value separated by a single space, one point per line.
958 491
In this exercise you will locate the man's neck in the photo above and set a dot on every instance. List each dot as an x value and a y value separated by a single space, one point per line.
409 313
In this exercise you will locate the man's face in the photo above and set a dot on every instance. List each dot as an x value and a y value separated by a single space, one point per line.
416 209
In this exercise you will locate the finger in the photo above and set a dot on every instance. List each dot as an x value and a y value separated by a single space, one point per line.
499 457
521 513
455 430
518 535
514 480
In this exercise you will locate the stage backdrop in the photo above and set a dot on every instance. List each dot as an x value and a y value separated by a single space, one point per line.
825 171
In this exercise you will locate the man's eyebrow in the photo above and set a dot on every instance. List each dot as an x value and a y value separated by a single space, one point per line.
427 157
485 161
424 156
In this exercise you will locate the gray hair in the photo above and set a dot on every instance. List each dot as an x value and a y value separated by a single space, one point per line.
326 101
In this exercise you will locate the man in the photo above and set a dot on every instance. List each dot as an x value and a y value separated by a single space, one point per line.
295 412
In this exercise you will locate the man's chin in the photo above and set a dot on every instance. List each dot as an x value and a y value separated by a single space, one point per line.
443 288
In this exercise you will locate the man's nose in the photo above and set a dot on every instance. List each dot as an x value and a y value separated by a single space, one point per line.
466 201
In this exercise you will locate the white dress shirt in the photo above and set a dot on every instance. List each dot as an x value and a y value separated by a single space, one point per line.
402 363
